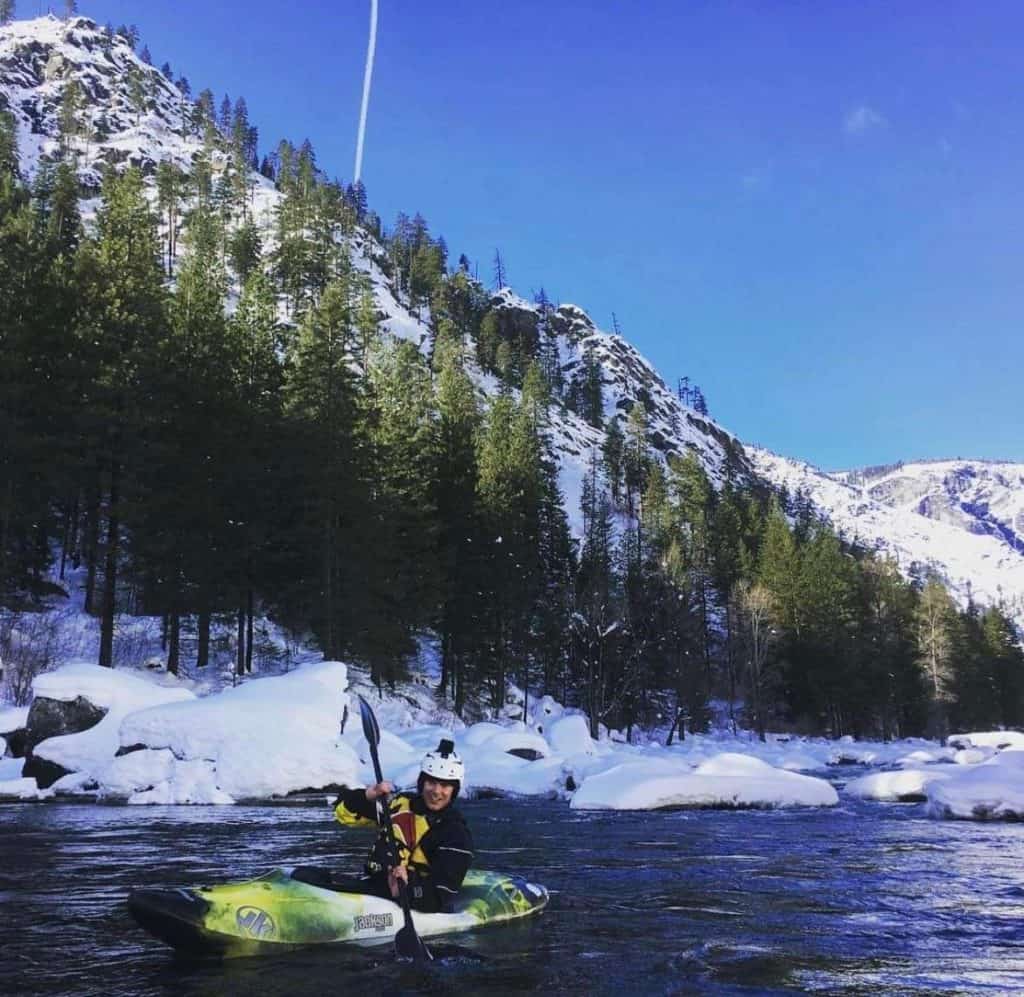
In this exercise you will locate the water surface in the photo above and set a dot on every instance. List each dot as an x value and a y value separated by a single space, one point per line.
857 899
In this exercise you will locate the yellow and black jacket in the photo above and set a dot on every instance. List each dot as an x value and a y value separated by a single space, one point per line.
436 846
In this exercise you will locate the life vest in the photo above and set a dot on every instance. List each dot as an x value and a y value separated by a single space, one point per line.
411 826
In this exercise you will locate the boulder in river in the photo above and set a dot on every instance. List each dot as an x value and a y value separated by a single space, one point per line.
52 718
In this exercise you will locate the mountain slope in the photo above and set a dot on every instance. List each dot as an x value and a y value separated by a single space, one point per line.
962 519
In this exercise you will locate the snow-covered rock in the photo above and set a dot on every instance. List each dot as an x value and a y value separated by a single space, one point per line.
994 739
571 736
991 790
727 781
115 692
265 738
905 786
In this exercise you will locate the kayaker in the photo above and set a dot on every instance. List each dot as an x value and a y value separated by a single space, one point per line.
435 848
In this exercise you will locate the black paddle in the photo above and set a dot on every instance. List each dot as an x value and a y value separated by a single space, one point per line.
408 945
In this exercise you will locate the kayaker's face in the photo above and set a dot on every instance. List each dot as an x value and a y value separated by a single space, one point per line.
437 795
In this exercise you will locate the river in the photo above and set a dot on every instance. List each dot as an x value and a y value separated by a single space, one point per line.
858 899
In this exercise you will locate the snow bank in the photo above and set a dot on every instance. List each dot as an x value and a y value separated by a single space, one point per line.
265 738
728 780
991 790
988 739
272 736
119 693
571 736
905 786
12 785
12 718
513 739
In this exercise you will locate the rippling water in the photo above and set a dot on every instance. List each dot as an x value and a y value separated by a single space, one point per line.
863 898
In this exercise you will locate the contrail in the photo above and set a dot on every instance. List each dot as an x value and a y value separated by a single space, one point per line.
371 49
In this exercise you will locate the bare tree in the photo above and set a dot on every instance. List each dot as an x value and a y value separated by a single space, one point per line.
934 642
755 613
499 271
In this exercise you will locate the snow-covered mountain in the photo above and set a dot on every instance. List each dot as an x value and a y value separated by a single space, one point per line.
961 518
964 519
130 113
39 58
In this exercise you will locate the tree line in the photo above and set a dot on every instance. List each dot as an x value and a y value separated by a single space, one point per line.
221 430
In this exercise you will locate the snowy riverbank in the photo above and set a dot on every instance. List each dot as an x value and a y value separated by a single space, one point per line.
158 742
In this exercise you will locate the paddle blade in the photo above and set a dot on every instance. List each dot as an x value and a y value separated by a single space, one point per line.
409 945
371 729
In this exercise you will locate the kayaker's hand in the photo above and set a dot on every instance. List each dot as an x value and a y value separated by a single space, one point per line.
399 872
381 789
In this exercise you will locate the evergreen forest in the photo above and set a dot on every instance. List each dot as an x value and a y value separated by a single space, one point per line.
219 431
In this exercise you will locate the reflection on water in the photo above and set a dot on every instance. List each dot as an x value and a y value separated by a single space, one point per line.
860 899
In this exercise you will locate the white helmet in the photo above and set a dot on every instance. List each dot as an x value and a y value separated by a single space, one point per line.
443 763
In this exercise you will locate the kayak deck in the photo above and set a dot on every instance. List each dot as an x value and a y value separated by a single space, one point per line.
275 912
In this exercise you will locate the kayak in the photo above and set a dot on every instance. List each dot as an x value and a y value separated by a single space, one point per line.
275 912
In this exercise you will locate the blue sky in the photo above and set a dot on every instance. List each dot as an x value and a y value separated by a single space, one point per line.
813 210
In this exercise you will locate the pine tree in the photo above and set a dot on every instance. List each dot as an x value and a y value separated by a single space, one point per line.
6 11
125 316
65 221
397 597
224 118
70 106
459 536
730 562
25 436
636 459
170 182
587 393
613 451
323 403
136 92
240 128
553 597
828 590
9 172
889 684
692 506
508 490
256 347
548 349
245 248
194 378
1006 667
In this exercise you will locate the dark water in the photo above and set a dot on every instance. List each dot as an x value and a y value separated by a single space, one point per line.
860 899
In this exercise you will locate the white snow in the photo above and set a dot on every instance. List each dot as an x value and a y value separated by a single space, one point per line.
265 738
962 519
907 784
989 739
993 789
726 780
12 718
280 734
571 736
119 693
